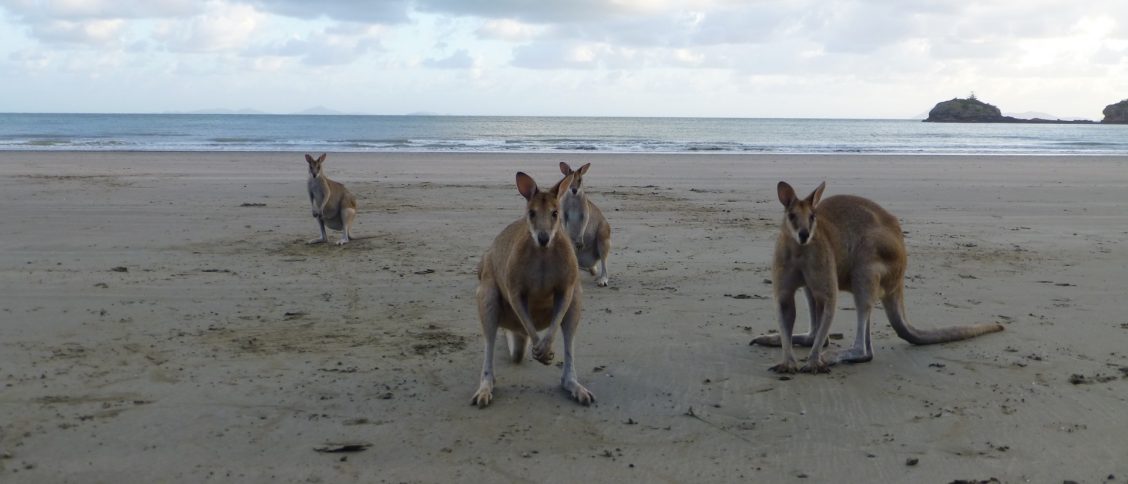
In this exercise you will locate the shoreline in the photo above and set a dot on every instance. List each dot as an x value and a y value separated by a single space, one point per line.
165 320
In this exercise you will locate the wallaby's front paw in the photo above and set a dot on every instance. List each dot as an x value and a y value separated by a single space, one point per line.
317 240
483 396
786 367
580 393
542 351
766 340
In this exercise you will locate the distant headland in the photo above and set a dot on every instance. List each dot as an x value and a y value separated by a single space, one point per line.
972 110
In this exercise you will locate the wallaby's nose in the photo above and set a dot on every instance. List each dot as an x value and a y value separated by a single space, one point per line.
575 190
803 236
542 239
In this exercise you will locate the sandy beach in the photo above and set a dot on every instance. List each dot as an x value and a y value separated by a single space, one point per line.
164 320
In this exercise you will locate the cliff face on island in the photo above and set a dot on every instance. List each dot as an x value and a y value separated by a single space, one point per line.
1116 113
972 110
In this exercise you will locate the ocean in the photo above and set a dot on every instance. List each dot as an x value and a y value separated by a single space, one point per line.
343 133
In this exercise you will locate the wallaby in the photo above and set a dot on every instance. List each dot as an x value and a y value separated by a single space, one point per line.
585 225
528 281
843 243
332 203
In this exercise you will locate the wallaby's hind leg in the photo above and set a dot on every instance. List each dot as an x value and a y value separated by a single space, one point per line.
568 380
801 339
488 313
862 351
518 344
347 216
602 247
321 225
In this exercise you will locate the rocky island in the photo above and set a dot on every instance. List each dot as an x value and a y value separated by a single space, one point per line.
1116 113
972 110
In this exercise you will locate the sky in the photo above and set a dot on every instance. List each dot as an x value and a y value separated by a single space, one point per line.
699 58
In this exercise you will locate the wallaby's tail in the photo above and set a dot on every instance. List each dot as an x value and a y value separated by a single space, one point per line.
895 310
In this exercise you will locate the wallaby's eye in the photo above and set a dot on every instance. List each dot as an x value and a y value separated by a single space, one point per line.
791 217
554 214
812 218
532 214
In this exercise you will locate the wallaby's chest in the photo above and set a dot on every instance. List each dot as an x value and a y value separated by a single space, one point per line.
573 208
317 188
542 273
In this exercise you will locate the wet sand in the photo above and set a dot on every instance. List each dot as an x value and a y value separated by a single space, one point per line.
165 320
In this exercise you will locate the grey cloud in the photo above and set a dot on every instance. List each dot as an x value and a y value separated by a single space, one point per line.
84 32
752 24
545 11
38 11
93 23
324 48
365 11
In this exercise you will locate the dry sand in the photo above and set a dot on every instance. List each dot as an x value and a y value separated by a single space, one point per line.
164 320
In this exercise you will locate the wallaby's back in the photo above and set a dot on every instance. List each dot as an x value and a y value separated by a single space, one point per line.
861 232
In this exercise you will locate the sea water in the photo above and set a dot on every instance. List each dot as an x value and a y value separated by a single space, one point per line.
345 133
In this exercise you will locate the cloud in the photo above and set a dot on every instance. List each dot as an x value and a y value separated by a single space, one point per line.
559 55
88 32
335 45
41 10
361 11
222 28
508 30
540 12
460 59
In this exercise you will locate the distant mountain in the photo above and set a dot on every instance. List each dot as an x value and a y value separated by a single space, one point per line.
1040 115
423 113
320 111
220 111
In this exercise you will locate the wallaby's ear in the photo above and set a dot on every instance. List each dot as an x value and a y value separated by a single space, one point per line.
526 185
583 169
562 187
816 195
309 159
321 159
786 194
565 169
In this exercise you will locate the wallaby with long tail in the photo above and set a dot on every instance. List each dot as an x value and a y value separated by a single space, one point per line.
585 224
333 205
528 281
843 243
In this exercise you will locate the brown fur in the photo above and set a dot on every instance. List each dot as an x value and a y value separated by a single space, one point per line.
333 205
843 243
528 281
586 225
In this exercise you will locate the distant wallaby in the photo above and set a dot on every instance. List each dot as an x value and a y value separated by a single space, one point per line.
332 203
528 281
844 243
585 225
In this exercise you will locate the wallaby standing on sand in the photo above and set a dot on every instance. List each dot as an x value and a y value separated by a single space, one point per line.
585 225
528 281
332 203
844 243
